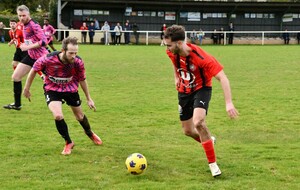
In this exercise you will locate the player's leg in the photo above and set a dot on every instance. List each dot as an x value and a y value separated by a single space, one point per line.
84 122
190 130
185 110
51 45
20 71
201 102
55 106
73 100
207 141
14 64
200 124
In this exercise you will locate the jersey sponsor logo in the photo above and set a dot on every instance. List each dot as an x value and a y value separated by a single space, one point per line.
187 77
28 42
59 80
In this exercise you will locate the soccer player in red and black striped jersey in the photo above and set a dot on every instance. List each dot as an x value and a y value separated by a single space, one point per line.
64 72
193 70
35 43
16 36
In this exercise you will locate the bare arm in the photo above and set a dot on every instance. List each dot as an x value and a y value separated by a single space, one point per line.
29 80
25 47
231 110
90 102
176 79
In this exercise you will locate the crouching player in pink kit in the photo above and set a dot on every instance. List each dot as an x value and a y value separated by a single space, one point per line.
64 71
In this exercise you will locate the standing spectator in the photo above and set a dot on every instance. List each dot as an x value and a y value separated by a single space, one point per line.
286 37
221 36
65 71
112 33
135 29
2 32
127 29
118 32
193 36
201 36
91 32
83 29
49 32
162 29
194 70
214 36
16 36
230 34
35 43
298 37
105 29
97 26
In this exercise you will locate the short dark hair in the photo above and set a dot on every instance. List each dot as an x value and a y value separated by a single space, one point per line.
69 40
175 33
13 20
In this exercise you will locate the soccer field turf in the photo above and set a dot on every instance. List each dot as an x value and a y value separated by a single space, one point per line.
133 89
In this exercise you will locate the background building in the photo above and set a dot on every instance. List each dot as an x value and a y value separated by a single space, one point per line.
259 15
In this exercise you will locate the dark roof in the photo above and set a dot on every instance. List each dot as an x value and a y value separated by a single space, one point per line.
188 5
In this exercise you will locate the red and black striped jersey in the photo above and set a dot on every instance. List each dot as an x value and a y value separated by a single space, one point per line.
16 36
196 70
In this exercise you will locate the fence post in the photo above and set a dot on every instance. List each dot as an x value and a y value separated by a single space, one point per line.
147 37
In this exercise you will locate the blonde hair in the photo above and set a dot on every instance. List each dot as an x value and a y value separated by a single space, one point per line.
22 8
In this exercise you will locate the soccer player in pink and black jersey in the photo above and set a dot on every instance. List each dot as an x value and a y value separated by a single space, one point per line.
64 72
49 32
34 43
193 72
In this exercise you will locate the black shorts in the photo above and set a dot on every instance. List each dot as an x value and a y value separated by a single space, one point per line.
72 99
19 55
50 42
187 103
27 60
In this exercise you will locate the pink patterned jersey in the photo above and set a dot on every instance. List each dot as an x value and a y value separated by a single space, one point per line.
49 32
60 77
33 33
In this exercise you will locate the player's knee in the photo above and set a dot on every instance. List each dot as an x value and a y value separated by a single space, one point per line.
199 123
58 117
188 132
15 77
79 117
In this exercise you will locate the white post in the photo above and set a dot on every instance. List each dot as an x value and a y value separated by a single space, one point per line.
147 36
59 17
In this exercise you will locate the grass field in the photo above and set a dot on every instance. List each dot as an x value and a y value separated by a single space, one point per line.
133 89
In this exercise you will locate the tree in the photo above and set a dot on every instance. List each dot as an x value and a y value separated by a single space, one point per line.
53 12
11 5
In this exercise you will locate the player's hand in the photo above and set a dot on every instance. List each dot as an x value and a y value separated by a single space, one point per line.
23 47
231 111
27 94
91 104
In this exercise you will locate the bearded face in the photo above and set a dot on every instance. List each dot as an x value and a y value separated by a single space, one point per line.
68 56
67 59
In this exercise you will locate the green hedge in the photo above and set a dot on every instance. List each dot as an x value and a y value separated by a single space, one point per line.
6 17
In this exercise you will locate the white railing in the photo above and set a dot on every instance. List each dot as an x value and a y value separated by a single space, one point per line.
153 37
240 37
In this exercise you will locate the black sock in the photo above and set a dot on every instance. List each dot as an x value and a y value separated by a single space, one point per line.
17 93
62 128
86 126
